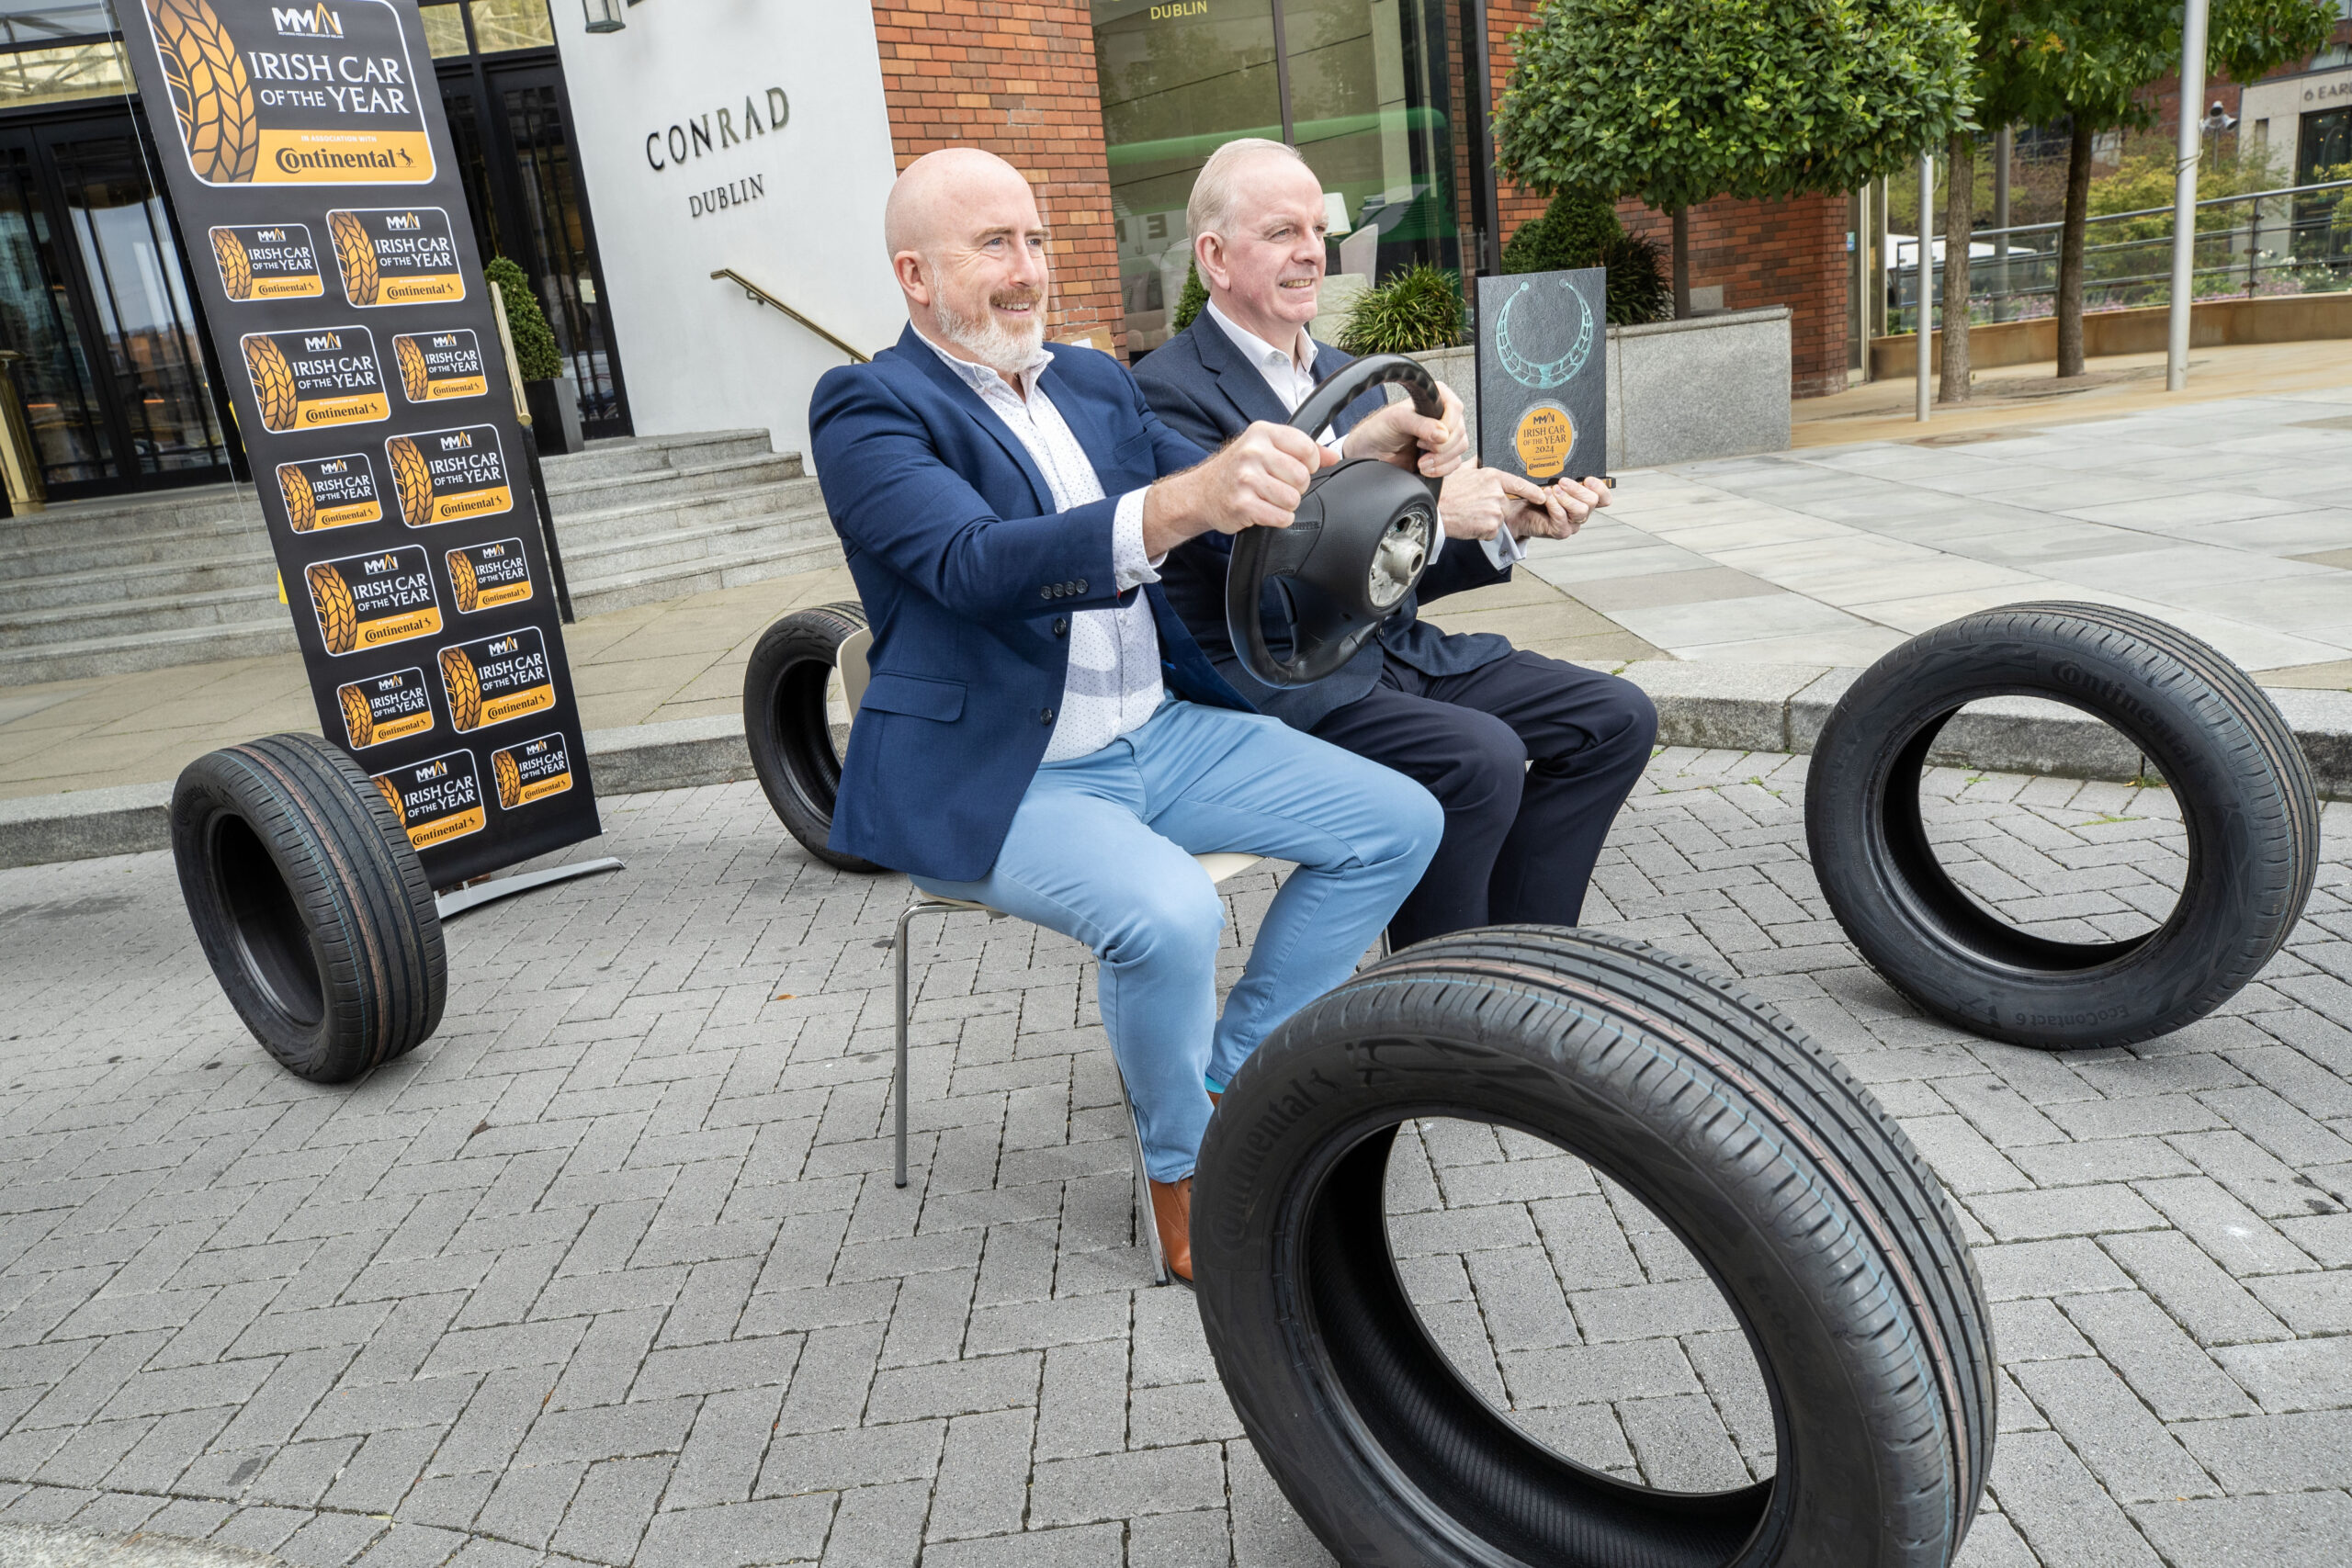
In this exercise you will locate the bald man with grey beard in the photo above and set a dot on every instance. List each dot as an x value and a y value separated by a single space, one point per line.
1039 732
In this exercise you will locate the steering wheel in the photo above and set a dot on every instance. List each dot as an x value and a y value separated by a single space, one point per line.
1358 544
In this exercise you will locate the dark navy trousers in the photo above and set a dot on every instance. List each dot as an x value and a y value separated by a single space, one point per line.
1531 757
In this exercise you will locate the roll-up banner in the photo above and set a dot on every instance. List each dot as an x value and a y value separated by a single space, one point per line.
316 186
1544 372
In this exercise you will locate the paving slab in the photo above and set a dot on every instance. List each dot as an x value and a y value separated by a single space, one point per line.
612 1270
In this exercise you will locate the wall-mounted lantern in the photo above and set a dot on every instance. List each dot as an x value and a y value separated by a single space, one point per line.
604 15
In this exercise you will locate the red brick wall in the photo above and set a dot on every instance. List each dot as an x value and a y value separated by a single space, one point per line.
1791 253
1016 77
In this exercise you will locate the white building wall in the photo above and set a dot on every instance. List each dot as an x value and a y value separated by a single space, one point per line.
796 206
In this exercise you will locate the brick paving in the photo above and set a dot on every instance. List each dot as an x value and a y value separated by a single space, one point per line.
612 1270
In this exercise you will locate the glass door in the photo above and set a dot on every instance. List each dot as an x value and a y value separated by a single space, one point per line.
523 185
93 296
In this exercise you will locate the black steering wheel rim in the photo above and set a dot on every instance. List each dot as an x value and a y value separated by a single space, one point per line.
1259 553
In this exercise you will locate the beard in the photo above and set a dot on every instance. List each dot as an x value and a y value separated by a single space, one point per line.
1005 349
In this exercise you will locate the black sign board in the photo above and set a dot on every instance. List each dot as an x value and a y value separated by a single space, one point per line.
307 142
1543 373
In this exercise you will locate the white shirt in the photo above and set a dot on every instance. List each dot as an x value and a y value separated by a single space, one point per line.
1114 683
1290 376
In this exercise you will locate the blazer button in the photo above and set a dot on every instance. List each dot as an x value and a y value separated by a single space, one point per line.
1079 587
1047 592
1061 625
1045 715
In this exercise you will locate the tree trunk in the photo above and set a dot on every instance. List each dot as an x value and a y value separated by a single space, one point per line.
1959 222
1681 217
2069 252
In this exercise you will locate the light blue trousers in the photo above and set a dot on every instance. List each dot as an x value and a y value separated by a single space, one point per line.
1101 849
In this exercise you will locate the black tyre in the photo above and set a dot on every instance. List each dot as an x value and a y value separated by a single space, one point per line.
311 905
1819 1223
2247 806
796 739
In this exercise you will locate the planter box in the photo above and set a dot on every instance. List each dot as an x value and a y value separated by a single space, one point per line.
555 415
1715 386
2277 318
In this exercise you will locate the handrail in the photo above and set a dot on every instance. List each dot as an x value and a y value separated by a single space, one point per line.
2166 210
759 296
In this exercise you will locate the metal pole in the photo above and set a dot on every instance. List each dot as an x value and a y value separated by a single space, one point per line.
1926 275
1478 86
2183 193
2004 148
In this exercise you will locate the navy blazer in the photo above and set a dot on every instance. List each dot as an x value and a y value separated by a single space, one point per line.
969 574
1201 384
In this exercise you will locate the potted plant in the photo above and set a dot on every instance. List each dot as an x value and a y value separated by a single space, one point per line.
548 389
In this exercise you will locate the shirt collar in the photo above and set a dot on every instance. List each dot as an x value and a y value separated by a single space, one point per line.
1259 351
981 377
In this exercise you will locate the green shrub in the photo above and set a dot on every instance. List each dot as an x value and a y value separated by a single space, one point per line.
534 350
1190 303
1417 309
1581 230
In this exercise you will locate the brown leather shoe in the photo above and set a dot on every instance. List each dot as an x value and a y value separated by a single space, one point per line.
1171 1211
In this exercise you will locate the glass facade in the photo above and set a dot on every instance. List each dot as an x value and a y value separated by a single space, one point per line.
1358 86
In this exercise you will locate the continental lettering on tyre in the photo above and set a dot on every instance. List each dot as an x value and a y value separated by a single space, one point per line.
372 601
330 492
271 260
435 366
397 255
497 679
445 474
302 95
532 771
484 576
316 379
384 708
437 800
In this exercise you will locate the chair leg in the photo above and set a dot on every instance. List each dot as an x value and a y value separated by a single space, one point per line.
899 1074
1144 1219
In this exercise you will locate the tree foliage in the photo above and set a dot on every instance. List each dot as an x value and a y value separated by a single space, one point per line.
1195 297
1680 101
1581 230
536 353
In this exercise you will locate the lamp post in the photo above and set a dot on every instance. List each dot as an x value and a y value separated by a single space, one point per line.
2184 194
604 15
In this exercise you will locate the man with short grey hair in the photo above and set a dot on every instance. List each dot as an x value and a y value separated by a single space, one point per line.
1531 757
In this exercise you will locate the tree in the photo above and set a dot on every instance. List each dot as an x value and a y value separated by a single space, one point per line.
1195 296
536 353
1679 101
2090 62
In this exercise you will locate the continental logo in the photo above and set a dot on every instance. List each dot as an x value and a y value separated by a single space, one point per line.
371 601
2118 700
315 379
385 708
530 772
437 800
270 261
484 576
396 256
303 95
1297 1098
330 492
444 475
437 366
497 679
1543 439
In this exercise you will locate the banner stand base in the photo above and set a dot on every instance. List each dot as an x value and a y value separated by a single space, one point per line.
458 901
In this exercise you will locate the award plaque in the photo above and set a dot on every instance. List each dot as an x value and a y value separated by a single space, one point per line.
1543 373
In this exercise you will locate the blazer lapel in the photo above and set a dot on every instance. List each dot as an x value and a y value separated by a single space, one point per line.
926 362
1235 376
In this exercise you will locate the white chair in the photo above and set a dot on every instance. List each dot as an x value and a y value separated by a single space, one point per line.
1220 867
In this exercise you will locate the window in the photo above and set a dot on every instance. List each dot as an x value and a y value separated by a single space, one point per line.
1357 85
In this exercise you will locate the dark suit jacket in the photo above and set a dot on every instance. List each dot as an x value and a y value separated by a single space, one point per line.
968 575
1201 384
